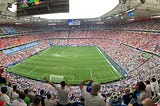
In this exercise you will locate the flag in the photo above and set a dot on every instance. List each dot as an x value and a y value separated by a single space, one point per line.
89 87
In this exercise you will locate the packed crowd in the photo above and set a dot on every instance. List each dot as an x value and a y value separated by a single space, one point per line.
19 56
123 47
20 91
141 24
117 48
6 42
144 41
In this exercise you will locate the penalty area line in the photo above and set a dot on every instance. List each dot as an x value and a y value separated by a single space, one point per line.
32 70
91 74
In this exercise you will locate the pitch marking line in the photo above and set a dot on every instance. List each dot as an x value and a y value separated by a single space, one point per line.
106 60
52 69
32 70
44 75
69 76
91 74
95 80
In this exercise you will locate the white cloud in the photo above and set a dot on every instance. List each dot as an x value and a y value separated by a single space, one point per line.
84 9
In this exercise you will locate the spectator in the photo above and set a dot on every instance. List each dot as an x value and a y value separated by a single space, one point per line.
42 97
48 101
81 103
142 90
9 89
148 89
26 99
63 91
37 102
4 97
20 100
14 94
92 99
2 81
128 96
145 102
148 102
154 86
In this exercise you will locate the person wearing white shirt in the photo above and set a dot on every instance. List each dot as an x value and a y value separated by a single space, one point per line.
154 86
92 99
63 92
3 96
19 101
148 89
14 94
48 101
9 89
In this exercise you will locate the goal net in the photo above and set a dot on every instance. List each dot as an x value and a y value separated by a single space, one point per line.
56 78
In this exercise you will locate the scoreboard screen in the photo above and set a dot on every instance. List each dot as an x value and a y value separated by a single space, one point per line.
29 3
37 7
72 22
131 13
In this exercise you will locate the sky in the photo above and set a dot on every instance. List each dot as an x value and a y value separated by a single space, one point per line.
80 9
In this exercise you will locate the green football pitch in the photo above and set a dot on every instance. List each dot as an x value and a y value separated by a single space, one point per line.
69 63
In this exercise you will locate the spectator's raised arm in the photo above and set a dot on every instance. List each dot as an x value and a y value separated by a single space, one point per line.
83 82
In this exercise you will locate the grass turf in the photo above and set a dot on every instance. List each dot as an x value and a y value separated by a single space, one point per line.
74 63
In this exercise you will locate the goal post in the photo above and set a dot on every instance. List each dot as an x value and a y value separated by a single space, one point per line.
56 78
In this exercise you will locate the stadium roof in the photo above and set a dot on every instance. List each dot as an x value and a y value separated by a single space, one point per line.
119 13
84 9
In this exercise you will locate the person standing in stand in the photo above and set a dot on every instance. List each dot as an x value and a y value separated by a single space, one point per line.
93 98
63 92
